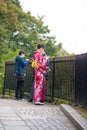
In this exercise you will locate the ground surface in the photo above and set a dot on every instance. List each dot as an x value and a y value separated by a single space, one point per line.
15 115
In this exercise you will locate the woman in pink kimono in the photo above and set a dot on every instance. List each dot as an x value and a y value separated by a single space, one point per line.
39 73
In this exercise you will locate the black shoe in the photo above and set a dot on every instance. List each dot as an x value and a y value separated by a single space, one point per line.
42 101
30 100
19 98
16 98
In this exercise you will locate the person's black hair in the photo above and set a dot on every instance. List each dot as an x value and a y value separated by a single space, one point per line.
40 46
21 52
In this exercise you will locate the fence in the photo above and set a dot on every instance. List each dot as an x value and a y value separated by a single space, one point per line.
67 78
81 79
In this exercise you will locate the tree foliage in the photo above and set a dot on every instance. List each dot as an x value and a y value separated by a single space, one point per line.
20 30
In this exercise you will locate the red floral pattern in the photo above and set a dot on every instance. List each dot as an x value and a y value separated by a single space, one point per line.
39 86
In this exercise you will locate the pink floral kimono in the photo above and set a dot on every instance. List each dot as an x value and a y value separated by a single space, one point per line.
39 86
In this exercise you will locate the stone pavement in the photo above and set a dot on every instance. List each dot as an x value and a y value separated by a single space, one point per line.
22 115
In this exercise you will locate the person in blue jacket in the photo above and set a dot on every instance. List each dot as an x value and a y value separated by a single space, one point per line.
20 74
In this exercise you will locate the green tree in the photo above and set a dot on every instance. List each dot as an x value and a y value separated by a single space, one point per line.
20 30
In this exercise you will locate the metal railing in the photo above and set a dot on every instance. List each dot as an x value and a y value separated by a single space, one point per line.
66 80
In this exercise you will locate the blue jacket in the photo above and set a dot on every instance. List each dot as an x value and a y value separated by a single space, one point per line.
20 64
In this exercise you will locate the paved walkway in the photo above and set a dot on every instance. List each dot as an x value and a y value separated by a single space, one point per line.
22 115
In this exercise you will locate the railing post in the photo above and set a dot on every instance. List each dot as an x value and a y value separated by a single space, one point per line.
3 91
53 79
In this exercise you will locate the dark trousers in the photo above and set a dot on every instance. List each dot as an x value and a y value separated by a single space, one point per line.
20 89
